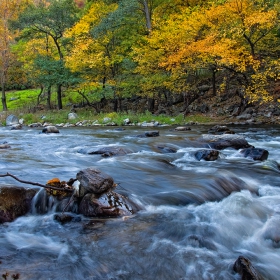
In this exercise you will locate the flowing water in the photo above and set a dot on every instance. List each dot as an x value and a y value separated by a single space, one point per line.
197 216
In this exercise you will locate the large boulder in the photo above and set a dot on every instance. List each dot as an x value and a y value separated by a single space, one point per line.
208 155
15 202
111 151
244 267
12 120
50 129
154 133
94 181
182 128
109 204
224 141
220 129
255 153
5 146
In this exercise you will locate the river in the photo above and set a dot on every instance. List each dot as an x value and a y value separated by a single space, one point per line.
189 228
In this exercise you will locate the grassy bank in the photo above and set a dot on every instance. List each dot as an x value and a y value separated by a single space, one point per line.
20 104
61 116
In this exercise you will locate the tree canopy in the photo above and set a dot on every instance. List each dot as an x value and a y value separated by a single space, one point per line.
146 47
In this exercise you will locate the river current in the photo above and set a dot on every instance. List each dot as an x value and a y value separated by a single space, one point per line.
191 225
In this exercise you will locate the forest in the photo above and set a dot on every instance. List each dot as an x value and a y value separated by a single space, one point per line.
163 50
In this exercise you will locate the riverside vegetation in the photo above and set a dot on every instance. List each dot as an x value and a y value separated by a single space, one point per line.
169 57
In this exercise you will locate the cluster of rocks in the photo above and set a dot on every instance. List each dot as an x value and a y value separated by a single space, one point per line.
93 195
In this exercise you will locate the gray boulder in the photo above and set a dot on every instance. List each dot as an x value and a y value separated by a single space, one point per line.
94 181
219 142
72 116
50 129
111 151
149 134
109 204
255 153
12 120
4 146
208 155
182 128
220 129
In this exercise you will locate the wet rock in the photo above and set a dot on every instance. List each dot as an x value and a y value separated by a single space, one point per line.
16 127
220 129
247 271
149 134
35 125
182 128
224 141
109 204
111 151
94 181
64 218
208 155
167 149
255 153
14 202
50 129
12 120
4 146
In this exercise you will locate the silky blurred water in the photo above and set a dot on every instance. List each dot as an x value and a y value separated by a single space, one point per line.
197 216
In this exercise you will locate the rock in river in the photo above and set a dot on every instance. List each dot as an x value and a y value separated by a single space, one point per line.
14 202
224 141
94 181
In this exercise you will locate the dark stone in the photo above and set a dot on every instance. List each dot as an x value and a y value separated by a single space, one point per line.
15 202
111 151
16 127
255 153
66 218
4 146
50 129
208 155
149 134
247 271
224 141
220 129
109 204
94 181
182 128
165 149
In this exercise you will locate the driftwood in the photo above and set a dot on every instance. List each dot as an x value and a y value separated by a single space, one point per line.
35 184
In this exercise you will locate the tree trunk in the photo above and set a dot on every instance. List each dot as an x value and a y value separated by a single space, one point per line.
49 97
151 105
214 81
59 97
39 95
4 101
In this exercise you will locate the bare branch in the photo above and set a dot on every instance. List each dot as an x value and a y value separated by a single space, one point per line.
35 184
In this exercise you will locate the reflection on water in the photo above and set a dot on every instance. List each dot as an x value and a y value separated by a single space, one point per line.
198 216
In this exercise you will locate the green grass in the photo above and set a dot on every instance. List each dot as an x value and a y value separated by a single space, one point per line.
22 103
21 99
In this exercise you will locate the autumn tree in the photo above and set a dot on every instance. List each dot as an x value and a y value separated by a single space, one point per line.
49 20
220 36
9 10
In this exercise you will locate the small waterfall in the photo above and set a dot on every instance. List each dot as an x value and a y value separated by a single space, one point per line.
43 203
